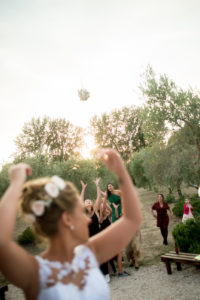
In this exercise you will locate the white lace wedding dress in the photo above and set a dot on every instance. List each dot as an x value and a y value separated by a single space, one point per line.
78 280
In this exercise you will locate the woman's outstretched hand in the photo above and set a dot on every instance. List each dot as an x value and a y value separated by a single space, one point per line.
97 180
19 172
83 185
104 193
115 205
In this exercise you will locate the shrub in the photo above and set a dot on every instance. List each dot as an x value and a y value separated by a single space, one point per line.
179 208
196 205
170 198
186 236
27 237
182 197
194 197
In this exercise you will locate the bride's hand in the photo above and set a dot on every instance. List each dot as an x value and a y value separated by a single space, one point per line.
19 172
112 160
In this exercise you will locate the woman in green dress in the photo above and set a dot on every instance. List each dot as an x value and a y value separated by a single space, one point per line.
114 197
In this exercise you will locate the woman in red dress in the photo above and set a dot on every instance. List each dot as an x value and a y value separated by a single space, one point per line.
162 217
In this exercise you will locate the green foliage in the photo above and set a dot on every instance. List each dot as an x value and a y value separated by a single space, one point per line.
196 205
183 157
137 172
4 181
170 198
151 168
56 139
179 207
27 237
187 236
88 171
121 130
166 165
182 198
174 108
153 127
73 170
77 170
194 197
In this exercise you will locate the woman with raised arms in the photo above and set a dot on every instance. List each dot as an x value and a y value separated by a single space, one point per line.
68 268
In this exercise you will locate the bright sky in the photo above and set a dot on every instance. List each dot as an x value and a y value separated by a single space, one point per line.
51 48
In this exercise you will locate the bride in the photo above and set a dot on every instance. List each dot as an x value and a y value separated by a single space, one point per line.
69 267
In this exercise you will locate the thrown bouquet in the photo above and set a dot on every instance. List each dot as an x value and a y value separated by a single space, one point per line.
83 94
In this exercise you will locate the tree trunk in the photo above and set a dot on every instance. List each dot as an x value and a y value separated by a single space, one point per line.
178 186
170 190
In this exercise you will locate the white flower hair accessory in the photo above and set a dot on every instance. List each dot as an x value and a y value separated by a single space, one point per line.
38 207
59 182
53 188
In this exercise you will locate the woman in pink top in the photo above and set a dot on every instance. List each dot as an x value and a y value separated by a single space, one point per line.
188 211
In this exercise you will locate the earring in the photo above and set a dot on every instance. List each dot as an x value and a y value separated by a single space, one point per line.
71 227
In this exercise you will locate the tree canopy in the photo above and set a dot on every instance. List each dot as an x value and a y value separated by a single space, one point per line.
57 139
171 124
174 107
121 129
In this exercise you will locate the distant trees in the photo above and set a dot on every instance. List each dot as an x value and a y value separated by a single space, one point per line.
172 105
174 108
163 135
166 166
173 116
74 169
57 139
120 129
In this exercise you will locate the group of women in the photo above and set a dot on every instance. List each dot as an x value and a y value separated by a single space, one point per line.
106 210
69 267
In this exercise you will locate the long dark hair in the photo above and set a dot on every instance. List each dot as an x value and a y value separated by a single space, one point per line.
107 190
163 198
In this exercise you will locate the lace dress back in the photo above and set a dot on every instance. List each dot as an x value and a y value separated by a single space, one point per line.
80 279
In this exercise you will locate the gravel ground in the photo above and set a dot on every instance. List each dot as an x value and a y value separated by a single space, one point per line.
153 283
148 283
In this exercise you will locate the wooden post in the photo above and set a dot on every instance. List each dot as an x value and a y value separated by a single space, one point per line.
178 264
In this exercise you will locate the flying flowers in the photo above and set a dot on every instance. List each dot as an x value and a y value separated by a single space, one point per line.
83 94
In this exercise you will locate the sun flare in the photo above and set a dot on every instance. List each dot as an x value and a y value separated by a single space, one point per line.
89 145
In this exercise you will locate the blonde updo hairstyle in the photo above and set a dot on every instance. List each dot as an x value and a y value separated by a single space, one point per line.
47 224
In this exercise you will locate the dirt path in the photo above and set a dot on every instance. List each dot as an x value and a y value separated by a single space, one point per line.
138 285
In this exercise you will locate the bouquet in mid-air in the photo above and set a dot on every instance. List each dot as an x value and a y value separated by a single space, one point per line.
83 94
